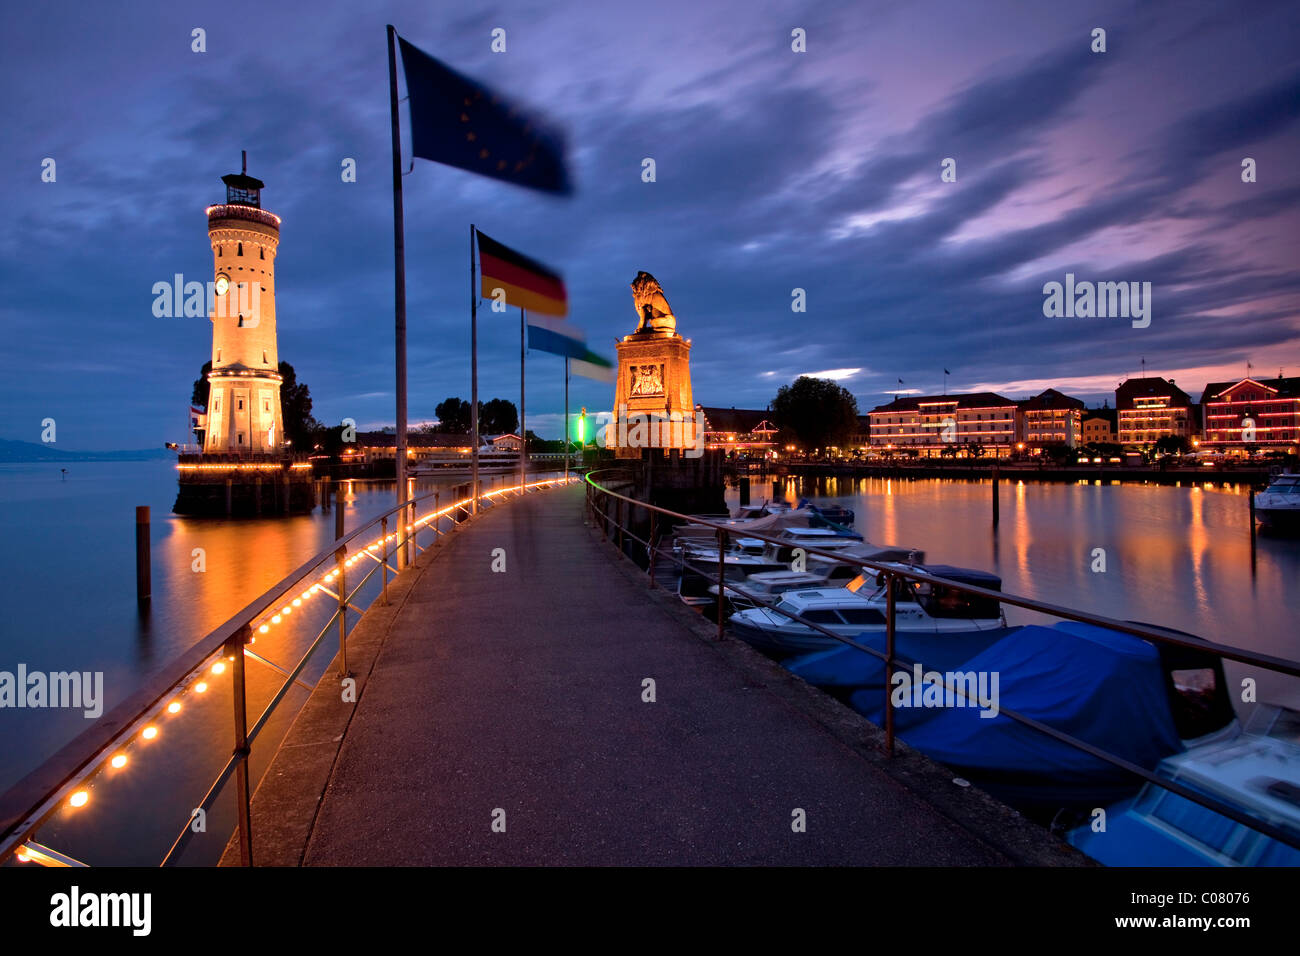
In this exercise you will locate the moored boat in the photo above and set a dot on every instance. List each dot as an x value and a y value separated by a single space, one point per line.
860 608
1256 772
1278 506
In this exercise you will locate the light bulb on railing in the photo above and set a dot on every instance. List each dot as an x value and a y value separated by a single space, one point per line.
118 762
149 733
200 687
174 707
79 799
219 667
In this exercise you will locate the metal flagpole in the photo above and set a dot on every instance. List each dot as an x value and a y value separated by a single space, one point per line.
399 270
473 376
523 429
566 419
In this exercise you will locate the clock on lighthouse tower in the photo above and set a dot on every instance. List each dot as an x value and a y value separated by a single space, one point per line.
244 414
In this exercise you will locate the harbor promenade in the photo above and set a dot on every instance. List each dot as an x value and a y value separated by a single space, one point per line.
505 717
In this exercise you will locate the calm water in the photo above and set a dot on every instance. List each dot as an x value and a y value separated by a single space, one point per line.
1175 556
69 572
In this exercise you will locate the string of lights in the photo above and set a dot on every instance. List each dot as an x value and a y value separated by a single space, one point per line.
148 730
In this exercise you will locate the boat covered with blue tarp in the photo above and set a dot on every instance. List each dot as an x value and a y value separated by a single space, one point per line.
1104 687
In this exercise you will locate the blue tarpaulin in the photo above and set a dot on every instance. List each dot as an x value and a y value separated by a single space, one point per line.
849 667
1104 687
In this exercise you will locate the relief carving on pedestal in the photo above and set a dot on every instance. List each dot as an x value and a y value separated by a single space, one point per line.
647 379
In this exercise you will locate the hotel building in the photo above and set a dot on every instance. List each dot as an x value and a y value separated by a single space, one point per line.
1099 426
930 423
1051 418
1252 414
1150 409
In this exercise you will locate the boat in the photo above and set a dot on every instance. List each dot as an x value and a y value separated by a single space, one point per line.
1110 689
765 521
1256 771
819 571
845 668
860 607
834 513
1278 506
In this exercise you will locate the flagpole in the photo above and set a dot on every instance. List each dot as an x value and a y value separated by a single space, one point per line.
523 430
399 271
566 419
473 376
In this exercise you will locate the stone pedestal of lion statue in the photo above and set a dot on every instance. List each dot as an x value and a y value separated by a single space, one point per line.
653 404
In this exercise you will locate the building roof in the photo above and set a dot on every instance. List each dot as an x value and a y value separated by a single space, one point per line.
1136 388
1105 413
1284 387
1050 400
970 400
738 421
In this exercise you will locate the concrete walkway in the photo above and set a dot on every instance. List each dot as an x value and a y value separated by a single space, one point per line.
518 697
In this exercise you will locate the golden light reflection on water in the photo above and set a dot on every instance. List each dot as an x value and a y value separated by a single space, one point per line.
1176 556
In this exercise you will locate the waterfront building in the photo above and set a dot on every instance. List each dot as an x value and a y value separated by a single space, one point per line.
930 424
1098 426
1052 418
1252 414
653 389
747 431
244 416
1152 408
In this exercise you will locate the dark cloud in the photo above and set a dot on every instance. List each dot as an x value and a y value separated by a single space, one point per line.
774 171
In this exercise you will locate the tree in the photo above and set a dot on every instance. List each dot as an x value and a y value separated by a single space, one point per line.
295 406
453 415
497 417
819 411
1171 445
199 397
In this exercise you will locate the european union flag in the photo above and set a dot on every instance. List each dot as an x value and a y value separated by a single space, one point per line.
456 121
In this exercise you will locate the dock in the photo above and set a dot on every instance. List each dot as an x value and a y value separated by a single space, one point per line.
506 717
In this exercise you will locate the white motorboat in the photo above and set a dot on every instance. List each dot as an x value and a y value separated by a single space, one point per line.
1256 771
1278 505
860 609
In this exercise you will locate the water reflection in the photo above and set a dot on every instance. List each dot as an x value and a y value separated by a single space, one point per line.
1176 556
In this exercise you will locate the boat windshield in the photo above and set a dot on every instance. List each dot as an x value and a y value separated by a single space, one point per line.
942 601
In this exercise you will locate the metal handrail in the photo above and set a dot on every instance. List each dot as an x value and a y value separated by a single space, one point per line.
891 658
31 801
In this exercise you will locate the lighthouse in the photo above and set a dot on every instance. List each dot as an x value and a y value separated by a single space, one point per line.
245 468
244 414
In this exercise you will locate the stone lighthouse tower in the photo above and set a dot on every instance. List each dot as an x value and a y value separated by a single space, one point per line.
244 415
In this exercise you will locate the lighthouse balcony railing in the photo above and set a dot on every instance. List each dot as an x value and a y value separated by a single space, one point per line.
239 211
340 571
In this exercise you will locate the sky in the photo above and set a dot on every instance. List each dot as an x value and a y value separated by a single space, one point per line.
775 170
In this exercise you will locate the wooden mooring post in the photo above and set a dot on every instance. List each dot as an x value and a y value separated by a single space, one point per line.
143 577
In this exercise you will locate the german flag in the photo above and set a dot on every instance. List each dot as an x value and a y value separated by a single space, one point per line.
526 282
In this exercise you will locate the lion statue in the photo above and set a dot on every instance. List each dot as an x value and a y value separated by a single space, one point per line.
651 307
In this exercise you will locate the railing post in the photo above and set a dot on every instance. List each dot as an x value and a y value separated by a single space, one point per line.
604 517
235 648
889 663
722 568
343 612
653 516
383 568
618 525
